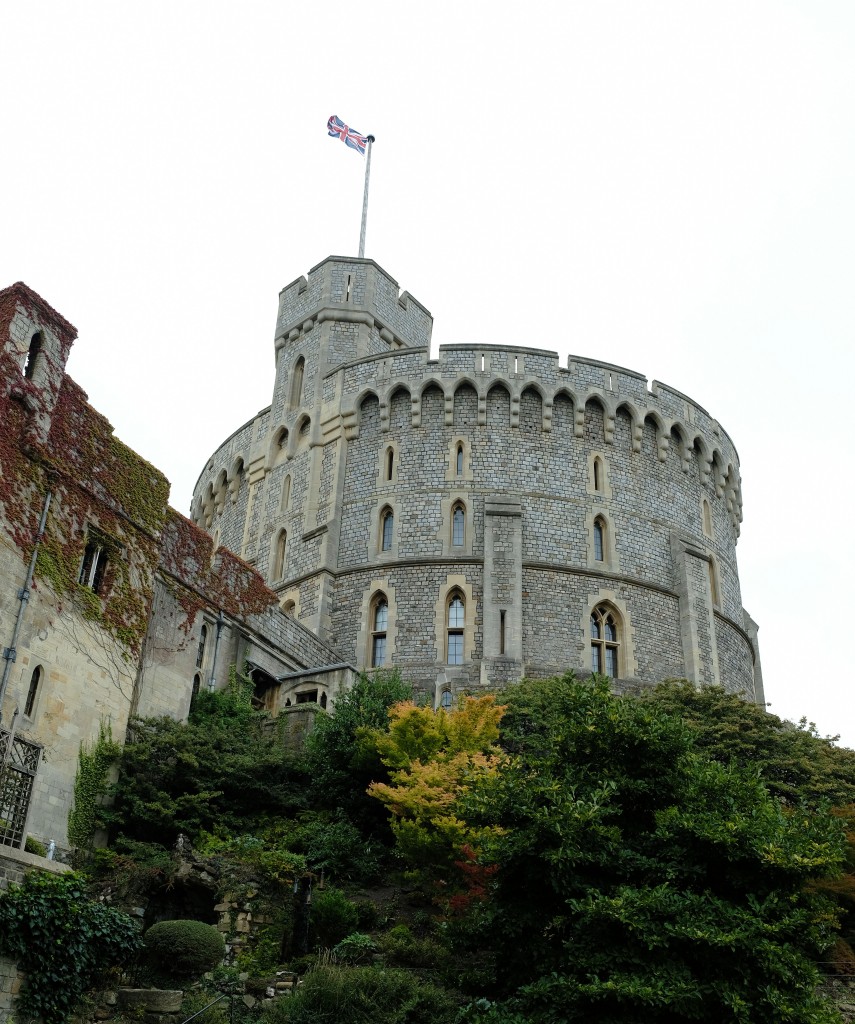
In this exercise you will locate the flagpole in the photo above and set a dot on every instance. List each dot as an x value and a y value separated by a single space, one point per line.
365 199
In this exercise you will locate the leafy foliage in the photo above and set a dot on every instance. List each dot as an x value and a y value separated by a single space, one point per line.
644 881
224 771
62 940
796 763
183 949
335 994
342 758
433 757
333 917
91 786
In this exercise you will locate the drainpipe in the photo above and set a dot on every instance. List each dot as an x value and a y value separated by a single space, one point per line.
10 653
212 682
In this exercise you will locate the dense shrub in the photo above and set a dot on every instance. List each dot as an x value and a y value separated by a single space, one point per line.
183 949
333 917
356 948
404 949
334 994
62 940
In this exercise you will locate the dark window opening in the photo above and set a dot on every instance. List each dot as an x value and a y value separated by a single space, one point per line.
93 567
307 697
33 690
32 355
502 632
200 650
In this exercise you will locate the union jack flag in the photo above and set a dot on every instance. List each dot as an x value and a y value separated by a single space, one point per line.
349 136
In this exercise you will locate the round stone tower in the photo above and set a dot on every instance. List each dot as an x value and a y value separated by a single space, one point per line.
484 515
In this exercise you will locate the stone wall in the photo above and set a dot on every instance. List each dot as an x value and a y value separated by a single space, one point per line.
375 433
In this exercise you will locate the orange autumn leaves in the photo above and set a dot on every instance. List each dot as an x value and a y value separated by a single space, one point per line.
434 757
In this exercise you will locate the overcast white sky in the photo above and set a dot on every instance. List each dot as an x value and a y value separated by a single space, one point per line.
663 185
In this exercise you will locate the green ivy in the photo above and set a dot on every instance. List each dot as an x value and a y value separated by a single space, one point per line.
62 940
90 786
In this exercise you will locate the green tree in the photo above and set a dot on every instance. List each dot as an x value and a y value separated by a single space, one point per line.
797 764
341 754
225 771
639 880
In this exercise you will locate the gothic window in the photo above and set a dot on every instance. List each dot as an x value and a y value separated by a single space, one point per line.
605 641
35 679
297 383
714 594
446 700
599 539
93 567
200 650
279 556
707 519
197 685
458 466
32 355
455 624
286 493
598 474
458 524
387 525
379 627
390 462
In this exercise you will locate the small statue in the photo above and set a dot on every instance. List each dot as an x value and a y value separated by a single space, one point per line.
51 850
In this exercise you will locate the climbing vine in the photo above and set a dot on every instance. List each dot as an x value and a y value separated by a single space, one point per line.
90 787
62 940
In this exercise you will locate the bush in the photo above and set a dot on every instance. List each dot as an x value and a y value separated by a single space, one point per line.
34 846
333 994
183 949
357 948
333 917
402 947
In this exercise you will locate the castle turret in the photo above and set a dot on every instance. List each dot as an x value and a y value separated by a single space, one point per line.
486 514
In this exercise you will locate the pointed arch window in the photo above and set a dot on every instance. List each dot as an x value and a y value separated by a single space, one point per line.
197 686
446 700
200 650
605 641
286 493
297 383
599 539
458 459
32 693
390 463
387 527
379 630
279 556
707 519
598 474
456 619
458 524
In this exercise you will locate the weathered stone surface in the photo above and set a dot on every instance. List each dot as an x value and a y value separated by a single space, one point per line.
153 1000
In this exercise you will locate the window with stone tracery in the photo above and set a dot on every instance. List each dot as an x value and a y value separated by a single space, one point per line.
605 641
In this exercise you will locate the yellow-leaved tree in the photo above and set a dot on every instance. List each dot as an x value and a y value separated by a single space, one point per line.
433 757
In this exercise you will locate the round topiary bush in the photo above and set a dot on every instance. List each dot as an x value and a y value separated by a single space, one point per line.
183 949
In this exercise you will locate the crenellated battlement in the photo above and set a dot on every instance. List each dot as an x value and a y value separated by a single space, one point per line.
383 489
356 291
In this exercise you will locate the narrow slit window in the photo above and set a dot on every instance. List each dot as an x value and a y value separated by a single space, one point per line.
458 460
390 463
502 631
456 620
386 530
707 519
599 540
32 693
380 625
483 361
598 475
347 292
279 557
516 364
32 355
286 494
458 525
200 650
